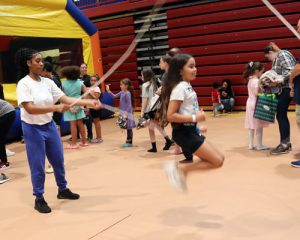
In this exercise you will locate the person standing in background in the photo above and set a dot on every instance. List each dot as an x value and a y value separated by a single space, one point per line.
283 63
88 120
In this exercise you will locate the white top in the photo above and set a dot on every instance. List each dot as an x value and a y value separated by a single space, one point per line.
97 89
43 92
148 94
184 92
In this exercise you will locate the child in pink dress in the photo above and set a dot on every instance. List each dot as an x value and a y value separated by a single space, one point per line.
252 74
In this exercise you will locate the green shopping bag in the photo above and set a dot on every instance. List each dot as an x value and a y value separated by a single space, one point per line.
266 107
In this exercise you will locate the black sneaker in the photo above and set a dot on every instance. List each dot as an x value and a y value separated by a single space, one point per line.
168 144
67 194
152 150
42 206
281 149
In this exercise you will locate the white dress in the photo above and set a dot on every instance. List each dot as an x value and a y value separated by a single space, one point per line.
250 121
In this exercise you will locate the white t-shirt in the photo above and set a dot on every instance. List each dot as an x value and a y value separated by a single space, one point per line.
42 93
148 92
184 92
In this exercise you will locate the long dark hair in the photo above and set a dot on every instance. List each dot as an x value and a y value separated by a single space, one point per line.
174 77
21 58
251 68
127 82
228 81
149 76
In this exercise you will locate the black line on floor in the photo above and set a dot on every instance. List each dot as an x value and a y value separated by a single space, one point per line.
110 226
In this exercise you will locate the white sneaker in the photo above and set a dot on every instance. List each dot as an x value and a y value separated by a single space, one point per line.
262 147
3 178
251 147
49 169
9 153
175 176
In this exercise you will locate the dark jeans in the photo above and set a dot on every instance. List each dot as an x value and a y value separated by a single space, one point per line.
5 123
284 100
228 104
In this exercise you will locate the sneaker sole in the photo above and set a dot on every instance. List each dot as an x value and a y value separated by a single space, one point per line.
5 168
295 166
42 212
4 180
59 197
63 198
280 153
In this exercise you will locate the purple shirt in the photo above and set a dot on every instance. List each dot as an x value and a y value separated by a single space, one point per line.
126 106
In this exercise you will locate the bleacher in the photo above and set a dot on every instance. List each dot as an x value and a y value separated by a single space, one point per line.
222 35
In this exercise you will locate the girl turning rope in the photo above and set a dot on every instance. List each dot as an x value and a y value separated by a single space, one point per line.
37 97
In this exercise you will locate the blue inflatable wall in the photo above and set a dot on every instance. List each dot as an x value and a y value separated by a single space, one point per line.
108 100
15 132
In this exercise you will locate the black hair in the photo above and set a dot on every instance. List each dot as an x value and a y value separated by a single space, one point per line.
95 76
127 82
174 77
228 81
70 72
148 75
48 66
21 58
216 85
269 49
48 59
173 51
251 68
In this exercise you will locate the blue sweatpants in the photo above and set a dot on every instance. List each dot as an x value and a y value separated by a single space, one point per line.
42 141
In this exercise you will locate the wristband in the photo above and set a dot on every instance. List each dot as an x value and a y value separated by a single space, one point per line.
194 118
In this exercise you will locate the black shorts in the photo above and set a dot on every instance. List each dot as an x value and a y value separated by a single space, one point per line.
57 118
149 115
187 137
95 113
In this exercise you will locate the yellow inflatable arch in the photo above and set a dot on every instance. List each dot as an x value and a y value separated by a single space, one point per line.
52 19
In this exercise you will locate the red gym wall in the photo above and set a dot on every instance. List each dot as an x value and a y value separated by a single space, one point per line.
115 37
223 36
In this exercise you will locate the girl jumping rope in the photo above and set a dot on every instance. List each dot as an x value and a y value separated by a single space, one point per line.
180 107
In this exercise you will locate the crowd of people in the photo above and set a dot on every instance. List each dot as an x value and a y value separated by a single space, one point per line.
170 99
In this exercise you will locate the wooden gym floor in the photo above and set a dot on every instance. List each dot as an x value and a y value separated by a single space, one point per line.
125 193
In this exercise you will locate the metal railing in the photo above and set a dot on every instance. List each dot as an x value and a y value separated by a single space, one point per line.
84 4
